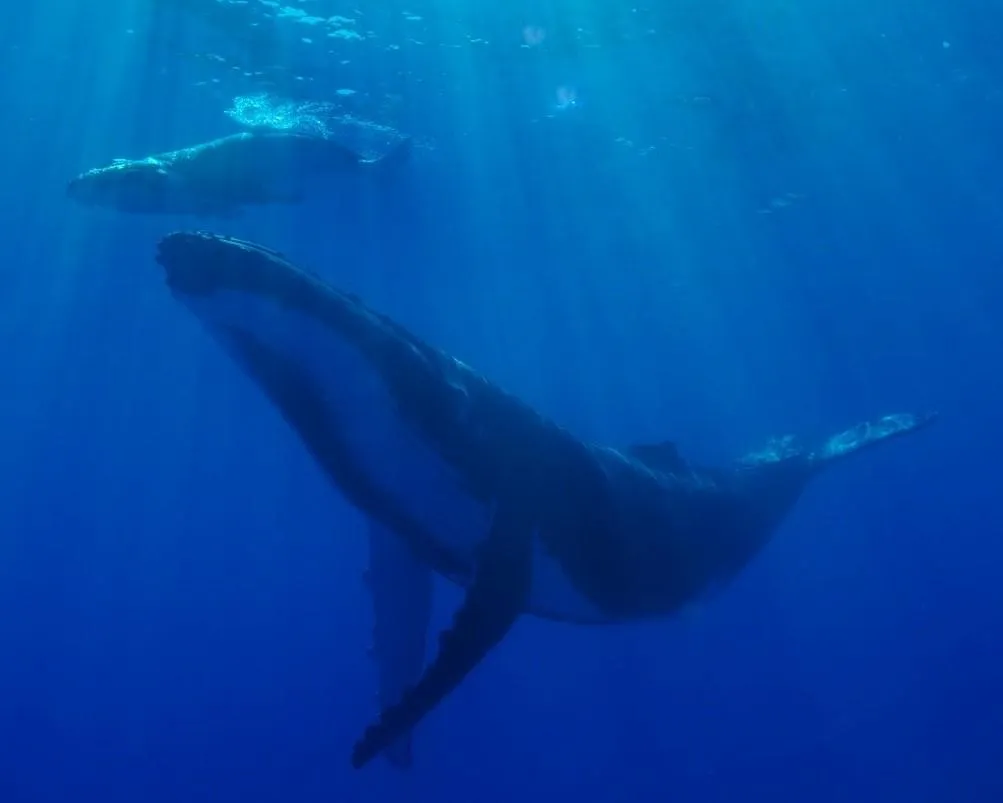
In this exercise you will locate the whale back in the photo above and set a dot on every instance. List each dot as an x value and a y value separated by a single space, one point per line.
662 456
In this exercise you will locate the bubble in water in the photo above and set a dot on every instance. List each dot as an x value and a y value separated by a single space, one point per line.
567 97
533 35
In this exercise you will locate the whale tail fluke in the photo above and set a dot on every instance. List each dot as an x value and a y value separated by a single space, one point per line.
869 433
397 156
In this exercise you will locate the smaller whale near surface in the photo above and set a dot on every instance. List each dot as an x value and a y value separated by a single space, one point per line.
220 177
476 484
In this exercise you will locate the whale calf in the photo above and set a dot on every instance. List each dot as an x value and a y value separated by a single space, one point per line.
220 177
476 484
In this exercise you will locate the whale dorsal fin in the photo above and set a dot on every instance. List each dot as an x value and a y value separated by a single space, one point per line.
493 603
662 456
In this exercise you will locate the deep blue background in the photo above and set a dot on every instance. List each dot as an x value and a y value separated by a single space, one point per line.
182 614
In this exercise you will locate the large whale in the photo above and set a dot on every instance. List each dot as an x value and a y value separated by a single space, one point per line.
479 486
220 177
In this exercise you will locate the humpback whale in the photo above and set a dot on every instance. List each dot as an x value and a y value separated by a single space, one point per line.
220 177
479 486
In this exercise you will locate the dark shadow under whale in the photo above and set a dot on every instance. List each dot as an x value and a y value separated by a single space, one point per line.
476 484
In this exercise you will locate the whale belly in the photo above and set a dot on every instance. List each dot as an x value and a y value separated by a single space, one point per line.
382 447
554 596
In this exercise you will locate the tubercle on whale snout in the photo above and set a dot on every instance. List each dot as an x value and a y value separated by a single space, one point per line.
195 242
207 244
194 262
200 262
185 251
201 238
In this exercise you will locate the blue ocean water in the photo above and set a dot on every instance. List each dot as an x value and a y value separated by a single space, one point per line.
706 221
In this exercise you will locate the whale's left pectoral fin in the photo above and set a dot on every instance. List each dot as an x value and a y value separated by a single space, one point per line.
402 589
493 603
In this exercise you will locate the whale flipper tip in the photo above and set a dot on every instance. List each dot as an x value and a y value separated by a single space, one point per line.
490 608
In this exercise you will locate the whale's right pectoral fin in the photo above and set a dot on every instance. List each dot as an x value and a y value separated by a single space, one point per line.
493 603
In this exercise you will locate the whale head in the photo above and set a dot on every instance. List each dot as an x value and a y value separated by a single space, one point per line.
126 185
